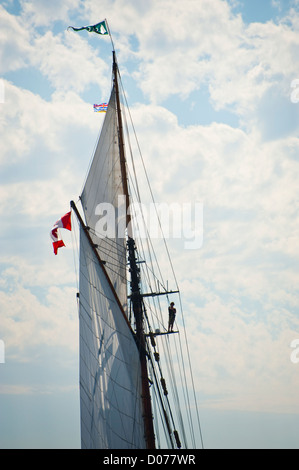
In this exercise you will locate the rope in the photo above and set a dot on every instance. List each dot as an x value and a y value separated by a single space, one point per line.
167 406
168 353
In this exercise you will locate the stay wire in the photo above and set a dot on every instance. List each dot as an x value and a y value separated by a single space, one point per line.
173 273
169 258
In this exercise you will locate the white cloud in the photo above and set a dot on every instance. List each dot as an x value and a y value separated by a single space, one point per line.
27 119
240 288
69 63
240 365
204 43
41 12
38 150
15 42
244 278
31 320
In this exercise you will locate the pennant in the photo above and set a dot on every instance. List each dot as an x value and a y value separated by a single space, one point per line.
100 108
100 28
64 222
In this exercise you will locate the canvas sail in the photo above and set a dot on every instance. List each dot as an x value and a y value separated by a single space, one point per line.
110 382
117 365
103 202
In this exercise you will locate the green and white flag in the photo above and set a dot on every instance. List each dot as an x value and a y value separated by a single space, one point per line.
100 28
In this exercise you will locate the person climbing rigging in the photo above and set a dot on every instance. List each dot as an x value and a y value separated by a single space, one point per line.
172 313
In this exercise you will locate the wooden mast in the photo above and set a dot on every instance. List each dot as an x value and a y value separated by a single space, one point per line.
121 141
136 296
137 302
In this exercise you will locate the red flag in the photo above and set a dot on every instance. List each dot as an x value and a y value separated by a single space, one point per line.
64 222
57 245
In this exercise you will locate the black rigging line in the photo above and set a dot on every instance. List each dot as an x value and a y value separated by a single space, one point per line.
175 279
176 283
110 250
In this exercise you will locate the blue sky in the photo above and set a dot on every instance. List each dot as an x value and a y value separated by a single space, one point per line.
209 87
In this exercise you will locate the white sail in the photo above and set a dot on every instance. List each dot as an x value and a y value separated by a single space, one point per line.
118 365
110 383
110 372
103 202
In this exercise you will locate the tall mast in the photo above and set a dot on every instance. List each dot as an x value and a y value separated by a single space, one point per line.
121 140
138 307
136 297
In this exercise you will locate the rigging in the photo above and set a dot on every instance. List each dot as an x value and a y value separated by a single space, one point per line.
144 300
149 269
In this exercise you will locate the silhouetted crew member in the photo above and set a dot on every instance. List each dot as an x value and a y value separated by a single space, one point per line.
172 312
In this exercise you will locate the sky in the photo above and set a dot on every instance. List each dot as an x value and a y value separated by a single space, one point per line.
213 89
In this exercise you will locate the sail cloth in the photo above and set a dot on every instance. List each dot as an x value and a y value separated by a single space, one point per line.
103 203
110 382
